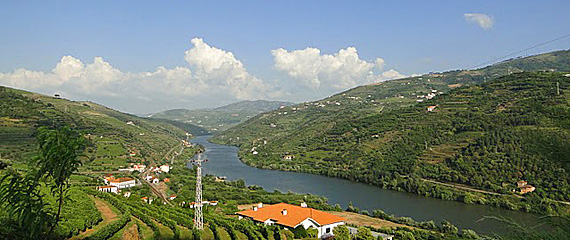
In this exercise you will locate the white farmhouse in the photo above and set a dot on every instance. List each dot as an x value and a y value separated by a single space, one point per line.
125 182
111 189
291 216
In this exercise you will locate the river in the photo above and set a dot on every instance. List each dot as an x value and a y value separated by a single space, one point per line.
223 161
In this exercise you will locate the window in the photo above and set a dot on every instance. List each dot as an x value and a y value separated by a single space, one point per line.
328 230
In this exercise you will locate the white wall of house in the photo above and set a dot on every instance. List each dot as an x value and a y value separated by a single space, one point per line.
330 227
268 222
108 189
125 184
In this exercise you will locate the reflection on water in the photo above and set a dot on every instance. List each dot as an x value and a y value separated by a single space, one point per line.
223 161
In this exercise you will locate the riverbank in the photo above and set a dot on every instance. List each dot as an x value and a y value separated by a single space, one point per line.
225 162
427 188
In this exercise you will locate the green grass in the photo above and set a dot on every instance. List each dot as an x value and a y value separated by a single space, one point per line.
119 235
223 233
185 233
207 234
146 231
165 232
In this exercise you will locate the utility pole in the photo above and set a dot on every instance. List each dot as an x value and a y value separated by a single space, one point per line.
198 216
558 88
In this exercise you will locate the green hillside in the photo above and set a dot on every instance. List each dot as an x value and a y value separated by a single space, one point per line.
223 117
383 135
113 135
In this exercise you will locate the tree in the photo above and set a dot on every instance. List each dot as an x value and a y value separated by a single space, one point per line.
447 227
59 152
469 234
363 234
21 197
312 232
341 233
58 158
300 232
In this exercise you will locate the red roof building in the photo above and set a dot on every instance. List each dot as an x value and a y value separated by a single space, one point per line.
291 216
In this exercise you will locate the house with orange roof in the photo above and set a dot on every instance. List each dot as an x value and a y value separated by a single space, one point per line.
124 182
524 187
291 216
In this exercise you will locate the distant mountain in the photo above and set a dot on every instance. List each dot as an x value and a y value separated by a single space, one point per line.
223 117
380 132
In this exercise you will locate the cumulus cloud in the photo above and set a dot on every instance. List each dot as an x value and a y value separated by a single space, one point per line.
338 71
484 21
212 74
210 77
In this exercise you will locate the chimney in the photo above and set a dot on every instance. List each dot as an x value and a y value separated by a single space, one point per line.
284 212
303 204
259 205
255 209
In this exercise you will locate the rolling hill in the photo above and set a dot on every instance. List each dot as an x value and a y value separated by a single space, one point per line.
116 138
221 118
384 135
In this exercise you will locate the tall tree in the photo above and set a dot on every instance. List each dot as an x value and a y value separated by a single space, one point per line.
59 152
58 158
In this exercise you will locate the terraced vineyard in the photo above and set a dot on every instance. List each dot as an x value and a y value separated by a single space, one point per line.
116 139
165 222
486 136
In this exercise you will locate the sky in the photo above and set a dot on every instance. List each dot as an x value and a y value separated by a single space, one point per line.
150 56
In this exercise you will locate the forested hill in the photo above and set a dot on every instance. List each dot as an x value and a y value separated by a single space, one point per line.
295 122
113 134
485 136
223 117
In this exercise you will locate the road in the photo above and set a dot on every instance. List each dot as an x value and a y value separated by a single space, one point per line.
463 187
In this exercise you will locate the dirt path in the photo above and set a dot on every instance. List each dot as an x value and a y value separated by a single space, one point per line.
131 233
106 212
363 220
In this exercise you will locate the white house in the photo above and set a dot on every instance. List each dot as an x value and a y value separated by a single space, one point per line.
288 157
139 167
112 189
164 168
124 182
290 216
154 180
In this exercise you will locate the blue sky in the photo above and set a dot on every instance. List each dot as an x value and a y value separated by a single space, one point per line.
136 37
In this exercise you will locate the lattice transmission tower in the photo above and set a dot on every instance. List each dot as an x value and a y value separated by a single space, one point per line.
198 215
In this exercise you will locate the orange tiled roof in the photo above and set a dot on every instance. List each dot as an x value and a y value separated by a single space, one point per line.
116 180
295 215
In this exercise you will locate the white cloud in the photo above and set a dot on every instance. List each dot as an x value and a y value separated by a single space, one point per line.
217 75
335 72
211 77
484 21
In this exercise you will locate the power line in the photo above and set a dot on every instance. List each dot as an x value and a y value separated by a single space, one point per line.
520 51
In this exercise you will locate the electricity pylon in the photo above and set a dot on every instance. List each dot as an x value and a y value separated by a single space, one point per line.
198 216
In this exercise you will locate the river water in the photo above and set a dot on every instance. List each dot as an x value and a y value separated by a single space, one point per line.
223 161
